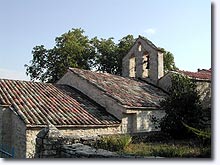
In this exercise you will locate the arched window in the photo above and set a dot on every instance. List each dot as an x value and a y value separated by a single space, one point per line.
139 46
132 66
146 64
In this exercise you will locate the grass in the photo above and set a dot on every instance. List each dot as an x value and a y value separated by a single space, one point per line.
114 142
167 150
125 144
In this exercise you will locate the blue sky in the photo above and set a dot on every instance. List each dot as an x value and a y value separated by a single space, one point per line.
182 27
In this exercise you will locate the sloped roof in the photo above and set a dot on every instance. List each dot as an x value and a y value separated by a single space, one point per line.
203 74
36 103
205 70
128 92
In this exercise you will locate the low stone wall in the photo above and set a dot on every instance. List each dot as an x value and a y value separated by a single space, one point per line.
79 150
50 143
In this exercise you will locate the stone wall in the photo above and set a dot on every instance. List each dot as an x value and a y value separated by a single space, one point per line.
51 143
79 150
7 127
78 133
1 113
205 91
12 130
31 134
18 136
89 131
138 121
144 120
138 51
165 82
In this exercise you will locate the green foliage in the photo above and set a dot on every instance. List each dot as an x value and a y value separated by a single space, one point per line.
168 59
106 56
203 135
199 133
109 55
182 105
114 142
72 49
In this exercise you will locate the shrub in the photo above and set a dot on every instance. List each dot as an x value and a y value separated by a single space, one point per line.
182 105
203 135
114 142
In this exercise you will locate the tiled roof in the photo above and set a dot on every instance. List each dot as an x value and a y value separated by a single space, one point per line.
205 70
126 91
36 103
204 75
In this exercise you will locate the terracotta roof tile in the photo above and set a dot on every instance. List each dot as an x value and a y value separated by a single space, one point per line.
203 74
126 91
36 103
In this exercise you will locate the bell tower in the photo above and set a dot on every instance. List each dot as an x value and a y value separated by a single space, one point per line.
144 60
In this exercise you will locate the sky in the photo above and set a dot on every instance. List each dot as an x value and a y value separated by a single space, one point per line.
182 27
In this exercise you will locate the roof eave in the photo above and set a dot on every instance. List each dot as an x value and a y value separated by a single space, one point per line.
74 126
141 108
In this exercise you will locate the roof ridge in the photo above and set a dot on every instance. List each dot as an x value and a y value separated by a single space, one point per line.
27 81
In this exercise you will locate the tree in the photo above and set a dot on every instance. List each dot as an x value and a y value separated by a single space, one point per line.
72 49
181 106
105 58
169 63
109 55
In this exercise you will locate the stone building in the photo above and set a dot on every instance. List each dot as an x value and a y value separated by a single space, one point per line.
144 61
87 103
27 107
83 103
202 78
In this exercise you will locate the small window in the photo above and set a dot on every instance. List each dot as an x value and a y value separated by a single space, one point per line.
132 66
146 64
139 47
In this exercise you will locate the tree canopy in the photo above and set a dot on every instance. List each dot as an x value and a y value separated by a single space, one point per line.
109 55
74 49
